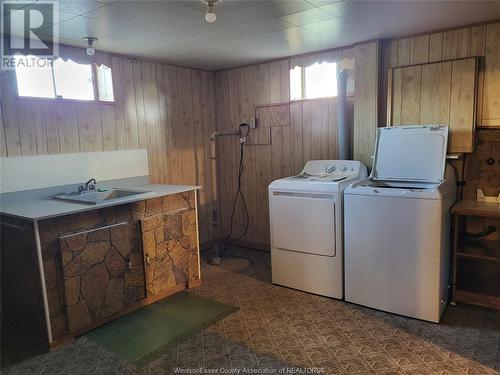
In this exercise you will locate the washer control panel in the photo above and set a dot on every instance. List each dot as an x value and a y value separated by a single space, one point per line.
333 169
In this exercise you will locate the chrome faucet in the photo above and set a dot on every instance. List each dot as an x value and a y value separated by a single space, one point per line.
89 186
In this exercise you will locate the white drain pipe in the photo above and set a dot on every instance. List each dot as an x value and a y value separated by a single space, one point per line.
343 131
216 211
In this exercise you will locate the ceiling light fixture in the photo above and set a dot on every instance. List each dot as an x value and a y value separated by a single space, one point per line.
210 16
90 41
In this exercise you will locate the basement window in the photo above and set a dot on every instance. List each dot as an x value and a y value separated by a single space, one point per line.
105 83
44 78
315 81
73 80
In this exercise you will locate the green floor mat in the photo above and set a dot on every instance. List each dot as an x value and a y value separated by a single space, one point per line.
144 334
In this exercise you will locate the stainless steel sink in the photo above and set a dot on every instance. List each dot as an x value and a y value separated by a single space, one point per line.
100 196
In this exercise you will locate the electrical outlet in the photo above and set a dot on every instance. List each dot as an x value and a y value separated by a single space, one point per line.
252 122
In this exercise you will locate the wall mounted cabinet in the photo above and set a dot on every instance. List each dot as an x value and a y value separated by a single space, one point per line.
441 93
491 91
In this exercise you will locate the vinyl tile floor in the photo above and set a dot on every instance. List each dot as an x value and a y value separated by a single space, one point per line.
279 330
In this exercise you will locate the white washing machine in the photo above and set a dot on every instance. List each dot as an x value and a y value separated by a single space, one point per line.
397 225
306 218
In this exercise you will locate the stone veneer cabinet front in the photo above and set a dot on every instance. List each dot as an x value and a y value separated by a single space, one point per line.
104 263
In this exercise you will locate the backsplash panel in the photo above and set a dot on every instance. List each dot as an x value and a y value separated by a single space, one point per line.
480 174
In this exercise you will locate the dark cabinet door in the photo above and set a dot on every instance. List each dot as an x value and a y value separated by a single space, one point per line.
170 247
103 273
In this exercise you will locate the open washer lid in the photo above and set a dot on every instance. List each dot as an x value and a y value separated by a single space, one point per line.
410 153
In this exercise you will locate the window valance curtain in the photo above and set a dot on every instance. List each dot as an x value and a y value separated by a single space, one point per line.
334 56
79 55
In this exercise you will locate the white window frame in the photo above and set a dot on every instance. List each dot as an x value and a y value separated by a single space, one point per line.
95 88
303 82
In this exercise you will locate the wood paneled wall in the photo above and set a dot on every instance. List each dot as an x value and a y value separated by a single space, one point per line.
274 151
166 109
482 41
436 93
172 111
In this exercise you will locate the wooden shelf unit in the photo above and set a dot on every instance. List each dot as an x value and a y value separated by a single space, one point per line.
479 249
476 262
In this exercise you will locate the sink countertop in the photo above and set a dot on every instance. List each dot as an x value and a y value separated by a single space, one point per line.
44 208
